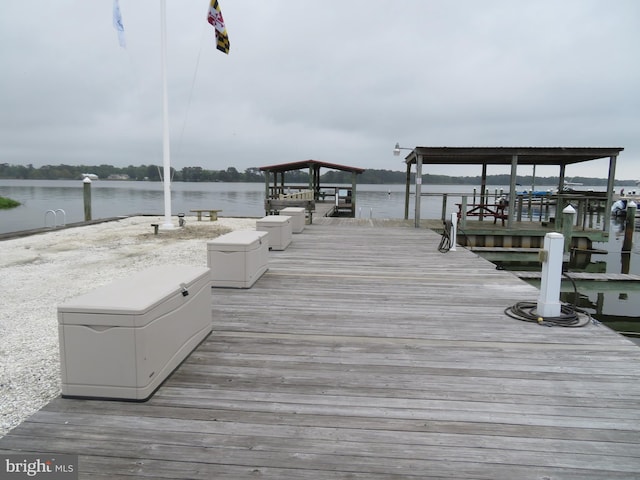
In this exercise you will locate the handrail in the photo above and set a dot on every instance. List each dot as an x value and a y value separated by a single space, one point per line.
540 208
301 195
64 216
55 217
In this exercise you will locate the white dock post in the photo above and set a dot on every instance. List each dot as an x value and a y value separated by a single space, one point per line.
454 231
549 299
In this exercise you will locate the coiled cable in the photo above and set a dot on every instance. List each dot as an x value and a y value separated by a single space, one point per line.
445 241
570 314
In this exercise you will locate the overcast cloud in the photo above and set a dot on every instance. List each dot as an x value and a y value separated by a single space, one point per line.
336 80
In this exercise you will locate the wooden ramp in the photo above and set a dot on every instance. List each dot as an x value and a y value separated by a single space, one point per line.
364 353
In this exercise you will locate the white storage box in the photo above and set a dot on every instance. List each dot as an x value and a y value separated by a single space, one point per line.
121 341
279 228
297 215
238 259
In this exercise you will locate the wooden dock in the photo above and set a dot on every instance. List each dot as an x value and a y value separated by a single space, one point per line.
364 353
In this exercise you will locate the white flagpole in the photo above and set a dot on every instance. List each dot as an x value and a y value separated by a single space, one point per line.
166 152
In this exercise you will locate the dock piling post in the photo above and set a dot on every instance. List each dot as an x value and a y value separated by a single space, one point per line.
444 206
519 208
87 198
567 225
463 212
629 226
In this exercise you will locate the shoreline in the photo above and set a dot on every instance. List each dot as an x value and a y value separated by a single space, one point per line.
40 271
41 230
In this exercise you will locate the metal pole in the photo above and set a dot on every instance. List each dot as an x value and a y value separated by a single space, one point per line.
166 155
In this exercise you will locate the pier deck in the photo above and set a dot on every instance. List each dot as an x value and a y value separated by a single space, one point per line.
364 353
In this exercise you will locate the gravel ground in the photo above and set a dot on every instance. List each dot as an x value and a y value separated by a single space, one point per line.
41 271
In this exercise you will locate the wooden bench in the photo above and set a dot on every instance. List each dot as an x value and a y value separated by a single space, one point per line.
213 214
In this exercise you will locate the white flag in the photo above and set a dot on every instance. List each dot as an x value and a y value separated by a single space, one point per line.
117 23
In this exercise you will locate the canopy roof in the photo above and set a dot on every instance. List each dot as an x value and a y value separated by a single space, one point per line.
504 155
315 164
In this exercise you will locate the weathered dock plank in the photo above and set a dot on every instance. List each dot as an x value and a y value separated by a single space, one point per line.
365 353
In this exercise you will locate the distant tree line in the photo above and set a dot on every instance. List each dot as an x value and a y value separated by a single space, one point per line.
154 173
151 173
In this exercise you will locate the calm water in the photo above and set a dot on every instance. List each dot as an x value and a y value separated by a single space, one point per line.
115 198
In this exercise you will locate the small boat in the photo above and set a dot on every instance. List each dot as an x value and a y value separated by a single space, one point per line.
569 183
536 193
90 176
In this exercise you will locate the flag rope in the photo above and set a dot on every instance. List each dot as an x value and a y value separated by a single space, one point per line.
193 83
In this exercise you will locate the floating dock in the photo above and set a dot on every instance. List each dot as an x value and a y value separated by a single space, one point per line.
365 353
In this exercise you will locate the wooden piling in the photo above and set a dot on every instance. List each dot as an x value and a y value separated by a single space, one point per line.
630 225
567 226
87 199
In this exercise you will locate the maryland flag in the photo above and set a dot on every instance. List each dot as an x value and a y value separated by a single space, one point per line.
215 18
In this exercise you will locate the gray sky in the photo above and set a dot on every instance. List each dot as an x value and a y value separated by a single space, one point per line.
335 80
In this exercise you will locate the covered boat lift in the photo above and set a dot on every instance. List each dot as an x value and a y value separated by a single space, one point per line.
512 156
276 191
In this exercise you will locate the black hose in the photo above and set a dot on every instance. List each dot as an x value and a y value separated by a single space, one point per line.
570 315
445 241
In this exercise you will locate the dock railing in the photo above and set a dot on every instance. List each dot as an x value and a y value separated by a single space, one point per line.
529 207
300 195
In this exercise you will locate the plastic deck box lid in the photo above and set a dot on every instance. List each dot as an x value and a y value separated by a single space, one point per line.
276 219
127 301
238 241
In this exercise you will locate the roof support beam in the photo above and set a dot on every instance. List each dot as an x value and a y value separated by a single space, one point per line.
407 191
483 189
418 189
610 181
354 176
563 168
512 191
